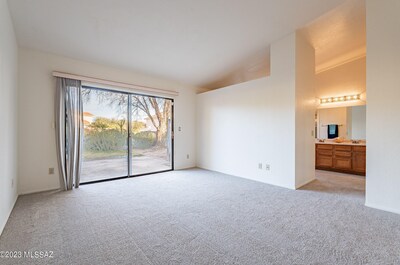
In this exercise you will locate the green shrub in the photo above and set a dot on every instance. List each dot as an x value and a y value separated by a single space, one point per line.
105 141
144 140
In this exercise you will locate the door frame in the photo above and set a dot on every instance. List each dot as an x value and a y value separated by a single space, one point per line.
129 135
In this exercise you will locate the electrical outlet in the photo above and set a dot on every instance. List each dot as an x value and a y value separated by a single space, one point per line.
259 165
179 128
267 167
187 156
51 170
12 183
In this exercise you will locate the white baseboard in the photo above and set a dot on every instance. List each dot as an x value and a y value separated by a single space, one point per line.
256 179
3 223
382 208
37 191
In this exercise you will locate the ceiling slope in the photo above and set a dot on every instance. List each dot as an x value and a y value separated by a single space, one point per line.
193 42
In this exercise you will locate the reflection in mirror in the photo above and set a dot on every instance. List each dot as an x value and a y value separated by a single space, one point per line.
347 123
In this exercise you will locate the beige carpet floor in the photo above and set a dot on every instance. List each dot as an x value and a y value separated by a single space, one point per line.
202 217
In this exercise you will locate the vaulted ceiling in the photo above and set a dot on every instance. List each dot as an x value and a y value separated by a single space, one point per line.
201 43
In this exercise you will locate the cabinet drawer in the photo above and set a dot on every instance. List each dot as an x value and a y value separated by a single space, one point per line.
342 153
343 147
324 146
359 148
325 152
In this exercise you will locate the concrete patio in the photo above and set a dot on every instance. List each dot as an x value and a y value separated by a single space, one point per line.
118 167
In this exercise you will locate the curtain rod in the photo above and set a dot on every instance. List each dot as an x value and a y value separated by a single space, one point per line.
115 83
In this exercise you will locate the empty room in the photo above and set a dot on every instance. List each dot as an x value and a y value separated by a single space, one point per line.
199 132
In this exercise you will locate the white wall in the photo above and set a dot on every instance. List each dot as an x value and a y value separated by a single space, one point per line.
383 86
243 125
8 115
345 79
37 150
305 112
349 113
358 122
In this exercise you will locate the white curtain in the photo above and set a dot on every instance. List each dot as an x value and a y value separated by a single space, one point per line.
69 131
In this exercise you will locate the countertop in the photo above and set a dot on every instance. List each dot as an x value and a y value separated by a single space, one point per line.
362 143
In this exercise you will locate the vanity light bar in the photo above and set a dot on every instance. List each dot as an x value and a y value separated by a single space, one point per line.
339 99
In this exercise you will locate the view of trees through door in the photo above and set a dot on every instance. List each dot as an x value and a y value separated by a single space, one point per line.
125 134
151 134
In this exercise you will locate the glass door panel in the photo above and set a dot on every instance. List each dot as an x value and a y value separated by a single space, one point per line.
150 134
105 142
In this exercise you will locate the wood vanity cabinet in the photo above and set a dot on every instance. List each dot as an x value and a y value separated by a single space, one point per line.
340 158
359 159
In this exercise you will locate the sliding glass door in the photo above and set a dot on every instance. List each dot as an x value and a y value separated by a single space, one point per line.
125 134
151 134
105 145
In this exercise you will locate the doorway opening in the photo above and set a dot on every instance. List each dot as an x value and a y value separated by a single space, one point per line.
340 148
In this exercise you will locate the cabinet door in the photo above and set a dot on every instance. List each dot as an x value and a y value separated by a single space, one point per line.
342 163
324 161
359 162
